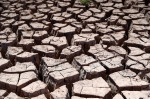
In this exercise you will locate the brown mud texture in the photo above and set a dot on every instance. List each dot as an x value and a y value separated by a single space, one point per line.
62 49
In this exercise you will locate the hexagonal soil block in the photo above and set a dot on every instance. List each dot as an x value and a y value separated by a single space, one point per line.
95 88
88 66
21 68
85 40
28 57
9 81
58 42
70 52
26 44
34 89
113 64
58 72
45 50
127 80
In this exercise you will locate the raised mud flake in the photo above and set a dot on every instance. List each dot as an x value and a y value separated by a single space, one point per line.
123 23
7 23
101 15
12 52
107 4
130 11
27 34
78 25
51 62
118 6
21 68
85 40
139 63
102 30
92 20
86 31
116 28
58 19
128 80
70 20
60 93
21 28
64 5
54 10
57 72
82 60
113 19
136 94
108 40
119 37
39 26
142 43
39 36
91 89
138 28
28 57
9 81
45 50
74 11
6 31
117 49
142 22
39 17
144 34
70 52
25 79
85 15
93 70
95 49
56 27
134 51
26 18
104 55
34 89
4 64
58 42
137 16
26 44
113 64
61 17
88 66
67 31
108 10
102 25
67 75
13 96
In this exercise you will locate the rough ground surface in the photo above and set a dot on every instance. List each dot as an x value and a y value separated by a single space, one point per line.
61 49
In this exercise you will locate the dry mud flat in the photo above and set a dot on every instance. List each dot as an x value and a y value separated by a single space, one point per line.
64 50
